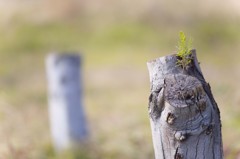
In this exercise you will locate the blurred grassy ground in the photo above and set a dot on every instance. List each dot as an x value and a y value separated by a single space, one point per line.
116 80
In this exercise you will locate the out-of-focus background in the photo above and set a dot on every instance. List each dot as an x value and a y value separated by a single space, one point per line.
116 39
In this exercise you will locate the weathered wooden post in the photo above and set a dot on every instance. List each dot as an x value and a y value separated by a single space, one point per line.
185 119
67 118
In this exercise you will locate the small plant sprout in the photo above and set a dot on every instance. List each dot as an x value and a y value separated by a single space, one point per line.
184 53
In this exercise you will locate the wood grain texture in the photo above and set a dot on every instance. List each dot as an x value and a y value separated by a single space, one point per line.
184 116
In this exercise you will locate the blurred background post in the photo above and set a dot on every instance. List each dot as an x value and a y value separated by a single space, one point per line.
66 112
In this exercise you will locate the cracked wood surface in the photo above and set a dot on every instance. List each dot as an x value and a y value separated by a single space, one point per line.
184 117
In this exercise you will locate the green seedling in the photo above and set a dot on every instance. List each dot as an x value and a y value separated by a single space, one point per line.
184 53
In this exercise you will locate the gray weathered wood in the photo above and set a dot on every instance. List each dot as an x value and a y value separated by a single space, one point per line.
67 118
184 117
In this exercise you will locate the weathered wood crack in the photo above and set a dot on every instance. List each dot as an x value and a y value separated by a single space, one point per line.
184 116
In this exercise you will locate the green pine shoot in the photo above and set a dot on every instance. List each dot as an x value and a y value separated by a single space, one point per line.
184 51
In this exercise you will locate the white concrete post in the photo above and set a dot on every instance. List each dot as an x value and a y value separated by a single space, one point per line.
66 113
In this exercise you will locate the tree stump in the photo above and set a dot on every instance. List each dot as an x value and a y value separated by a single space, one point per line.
184 117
